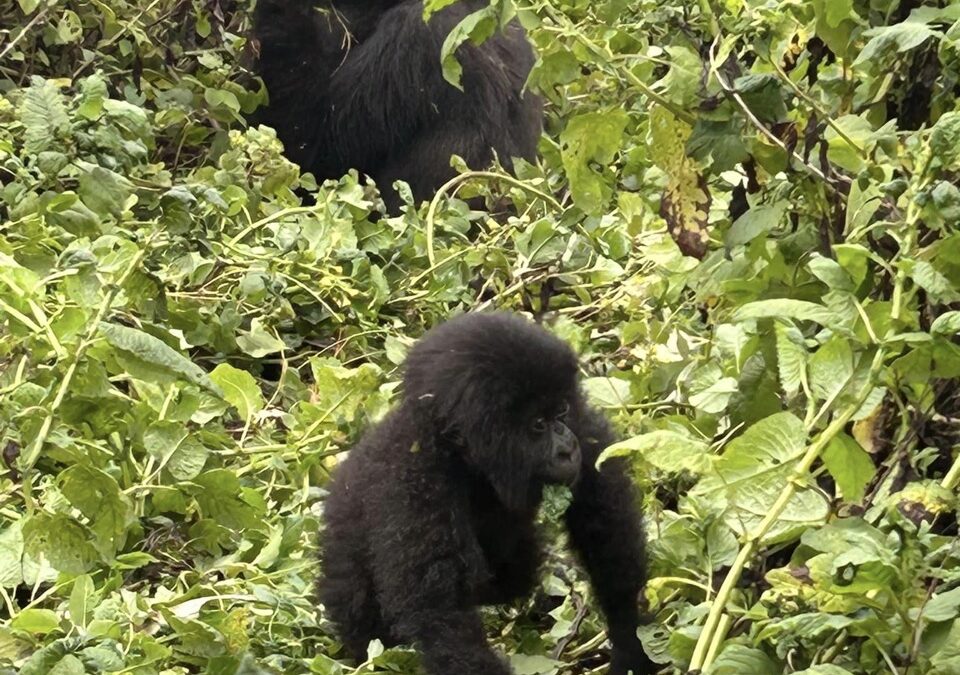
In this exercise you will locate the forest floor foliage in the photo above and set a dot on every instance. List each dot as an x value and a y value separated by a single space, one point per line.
745 219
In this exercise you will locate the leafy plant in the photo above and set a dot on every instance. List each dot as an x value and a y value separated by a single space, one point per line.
745 219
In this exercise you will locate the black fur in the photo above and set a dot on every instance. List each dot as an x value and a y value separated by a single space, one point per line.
433 511
357 84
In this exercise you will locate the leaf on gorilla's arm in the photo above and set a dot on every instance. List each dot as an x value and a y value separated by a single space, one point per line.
476 27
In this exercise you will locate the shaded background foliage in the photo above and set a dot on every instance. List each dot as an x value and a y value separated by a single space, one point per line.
745 219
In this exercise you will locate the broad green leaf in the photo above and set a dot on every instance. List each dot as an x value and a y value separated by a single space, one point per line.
830 273
104 191
947 323
850 465
97 496
685 204
943 606
934 282
155 352
477 27
714 399
784 308
840 150
854 259
831 368
898 38
811 625
738 659
791 358
44 116
752 472
240 389
607 392
666 450
591 138
36 621
11 556
523 664
179 451
60 540
221 499
945 140
757 221
82 600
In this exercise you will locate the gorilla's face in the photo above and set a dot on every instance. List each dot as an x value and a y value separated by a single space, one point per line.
504 392
555 447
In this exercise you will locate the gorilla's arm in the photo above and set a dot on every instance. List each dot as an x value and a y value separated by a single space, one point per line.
426 555
605 531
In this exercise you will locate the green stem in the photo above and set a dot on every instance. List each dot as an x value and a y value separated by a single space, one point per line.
30 458
460 178
710 632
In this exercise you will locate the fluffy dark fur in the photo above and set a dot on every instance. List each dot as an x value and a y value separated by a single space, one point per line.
432 514
357 84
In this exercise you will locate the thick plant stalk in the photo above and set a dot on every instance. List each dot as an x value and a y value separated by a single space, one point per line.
952 479
710 635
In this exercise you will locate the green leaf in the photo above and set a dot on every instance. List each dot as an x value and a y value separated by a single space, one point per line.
477 27
179 451
756 221
259 342
97 496
791 358
737 659
752 472
784 308
945 140
943 606
11 556
155 352
61 540
523 664
240 389
82 600
589 138
830 273
43 113
104 191
36 621
899 38
607 392
947 323
831 368
667 450
850 465
840 150
714 398
930 279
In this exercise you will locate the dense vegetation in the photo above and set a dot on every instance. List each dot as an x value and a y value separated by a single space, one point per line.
745 219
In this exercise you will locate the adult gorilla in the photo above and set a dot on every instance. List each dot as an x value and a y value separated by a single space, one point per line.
357 84
433 512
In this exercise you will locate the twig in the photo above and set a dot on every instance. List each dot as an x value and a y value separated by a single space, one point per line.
463 177
26 29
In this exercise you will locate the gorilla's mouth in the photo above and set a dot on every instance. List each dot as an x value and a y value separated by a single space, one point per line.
562 473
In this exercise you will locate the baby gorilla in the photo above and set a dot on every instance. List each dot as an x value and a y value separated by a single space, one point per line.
432 514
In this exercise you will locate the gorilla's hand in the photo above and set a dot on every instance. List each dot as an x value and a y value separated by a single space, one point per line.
631 659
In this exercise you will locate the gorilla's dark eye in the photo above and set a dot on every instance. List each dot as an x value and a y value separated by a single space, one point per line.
564 409
539 425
